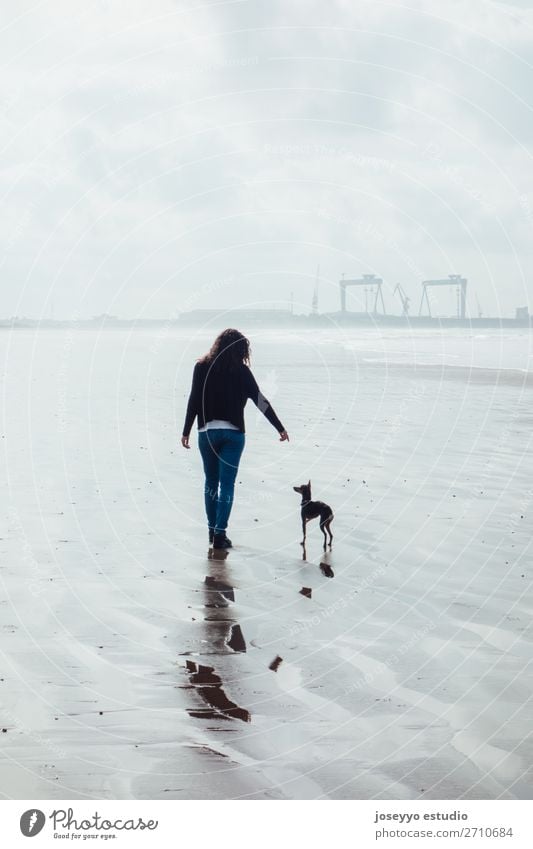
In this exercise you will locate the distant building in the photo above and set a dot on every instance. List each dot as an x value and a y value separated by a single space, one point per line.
522 313
236 316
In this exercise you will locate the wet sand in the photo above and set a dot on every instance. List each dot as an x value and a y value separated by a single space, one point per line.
135 664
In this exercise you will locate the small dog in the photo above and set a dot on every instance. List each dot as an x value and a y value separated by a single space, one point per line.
313 509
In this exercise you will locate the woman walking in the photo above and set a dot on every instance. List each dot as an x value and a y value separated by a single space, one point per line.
222 382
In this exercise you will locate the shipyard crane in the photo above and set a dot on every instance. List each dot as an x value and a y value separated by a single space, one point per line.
368 281
406 301
452 280
314 304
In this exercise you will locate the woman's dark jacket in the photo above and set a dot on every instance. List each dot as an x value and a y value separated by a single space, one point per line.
224 396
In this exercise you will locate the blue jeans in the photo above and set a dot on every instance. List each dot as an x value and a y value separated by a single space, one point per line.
221 450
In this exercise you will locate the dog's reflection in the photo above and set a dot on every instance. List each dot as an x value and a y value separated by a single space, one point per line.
325 566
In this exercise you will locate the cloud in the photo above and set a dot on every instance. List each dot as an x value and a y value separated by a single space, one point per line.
149 149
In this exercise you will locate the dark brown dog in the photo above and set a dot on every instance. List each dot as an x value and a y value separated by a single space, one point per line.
312 510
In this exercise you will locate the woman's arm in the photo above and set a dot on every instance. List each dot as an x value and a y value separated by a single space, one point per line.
193 406
263 404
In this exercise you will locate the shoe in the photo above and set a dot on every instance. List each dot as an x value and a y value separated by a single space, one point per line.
221 541
212 535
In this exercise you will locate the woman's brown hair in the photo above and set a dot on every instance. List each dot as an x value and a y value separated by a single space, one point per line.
229 350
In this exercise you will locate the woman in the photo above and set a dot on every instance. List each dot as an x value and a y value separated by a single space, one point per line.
221 385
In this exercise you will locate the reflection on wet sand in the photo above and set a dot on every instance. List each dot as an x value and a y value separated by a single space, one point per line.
217 554
209 686
222 636
214 586
237 641
274 666
326 570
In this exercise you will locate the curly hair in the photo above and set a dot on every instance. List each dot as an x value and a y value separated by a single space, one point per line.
229 350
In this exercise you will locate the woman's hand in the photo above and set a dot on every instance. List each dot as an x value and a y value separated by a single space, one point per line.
185 441
284 436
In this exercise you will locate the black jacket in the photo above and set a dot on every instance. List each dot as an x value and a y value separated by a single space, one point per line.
215 396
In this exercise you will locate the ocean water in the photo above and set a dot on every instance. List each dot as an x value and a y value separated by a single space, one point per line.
488 349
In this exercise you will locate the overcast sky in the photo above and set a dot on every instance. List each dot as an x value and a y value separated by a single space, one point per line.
160 156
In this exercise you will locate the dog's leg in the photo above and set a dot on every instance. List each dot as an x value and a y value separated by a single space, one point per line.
329 532
304 529
323 526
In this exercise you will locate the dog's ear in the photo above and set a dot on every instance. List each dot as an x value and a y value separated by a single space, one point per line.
309 484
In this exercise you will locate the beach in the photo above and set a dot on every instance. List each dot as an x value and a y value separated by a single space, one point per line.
135 664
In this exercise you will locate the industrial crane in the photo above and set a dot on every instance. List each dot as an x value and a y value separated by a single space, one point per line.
452 280
314 304
368 281
406 301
